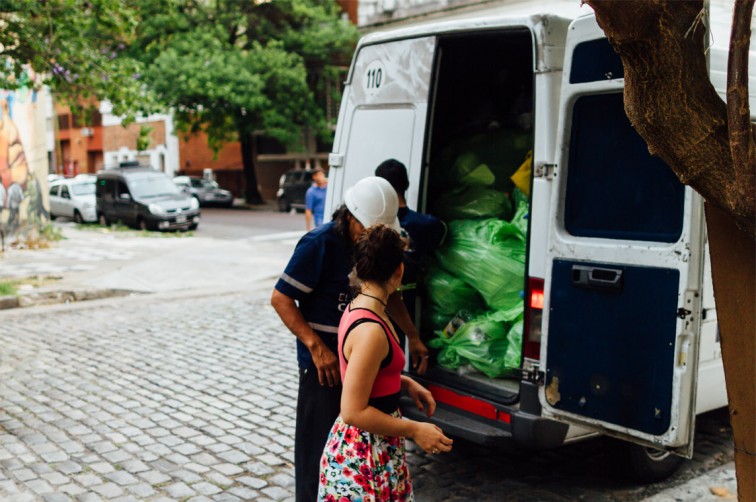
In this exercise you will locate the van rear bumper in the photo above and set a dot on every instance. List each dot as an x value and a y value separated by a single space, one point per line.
524 430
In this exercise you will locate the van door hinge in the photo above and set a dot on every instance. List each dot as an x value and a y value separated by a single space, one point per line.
534 376
544 170
335 159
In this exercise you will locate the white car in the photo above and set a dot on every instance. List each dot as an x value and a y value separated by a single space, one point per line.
74 198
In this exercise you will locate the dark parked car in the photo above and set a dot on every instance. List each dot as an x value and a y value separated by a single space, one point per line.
144 198
292 188
207 192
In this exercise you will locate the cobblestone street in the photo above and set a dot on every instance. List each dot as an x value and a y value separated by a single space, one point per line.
180 397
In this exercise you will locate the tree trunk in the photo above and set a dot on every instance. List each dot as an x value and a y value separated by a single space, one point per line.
673 106
733 266
251 189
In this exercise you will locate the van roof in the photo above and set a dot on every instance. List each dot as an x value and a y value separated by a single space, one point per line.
489 16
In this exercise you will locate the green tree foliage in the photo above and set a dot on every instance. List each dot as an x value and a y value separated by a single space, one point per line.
75 47
232 68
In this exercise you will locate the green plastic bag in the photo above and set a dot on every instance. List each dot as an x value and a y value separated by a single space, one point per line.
489 255
447 295
490 343
500 150
471 203
520 218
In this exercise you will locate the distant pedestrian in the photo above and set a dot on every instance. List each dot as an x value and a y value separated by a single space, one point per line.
315 199
364 458
310 297
426 232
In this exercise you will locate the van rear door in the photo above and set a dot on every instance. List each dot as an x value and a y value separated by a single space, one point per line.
622 297
383 113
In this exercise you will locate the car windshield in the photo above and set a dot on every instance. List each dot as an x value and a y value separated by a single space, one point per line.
203 183
151 185
83 189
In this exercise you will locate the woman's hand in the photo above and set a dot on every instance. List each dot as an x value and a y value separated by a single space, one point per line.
420 395
431 438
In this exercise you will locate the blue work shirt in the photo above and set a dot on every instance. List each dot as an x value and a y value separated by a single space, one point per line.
317 278
426 233
315 201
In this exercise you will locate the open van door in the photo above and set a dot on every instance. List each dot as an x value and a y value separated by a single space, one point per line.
623 273
383 112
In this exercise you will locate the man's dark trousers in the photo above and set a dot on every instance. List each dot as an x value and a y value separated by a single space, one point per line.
317 409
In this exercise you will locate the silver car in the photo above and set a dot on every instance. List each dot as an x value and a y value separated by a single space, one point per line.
74 198
207 192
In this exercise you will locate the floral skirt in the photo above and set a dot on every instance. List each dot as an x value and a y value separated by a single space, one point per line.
358 466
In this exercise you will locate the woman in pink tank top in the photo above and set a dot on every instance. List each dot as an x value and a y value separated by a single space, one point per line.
364 457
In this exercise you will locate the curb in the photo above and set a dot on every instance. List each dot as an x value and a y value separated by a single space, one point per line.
56 297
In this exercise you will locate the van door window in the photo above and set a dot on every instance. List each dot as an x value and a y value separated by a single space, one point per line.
54 190
64 193
616 189
595 60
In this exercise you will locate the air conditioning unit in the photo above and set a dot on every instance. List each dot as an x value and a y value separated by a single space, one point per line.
87 132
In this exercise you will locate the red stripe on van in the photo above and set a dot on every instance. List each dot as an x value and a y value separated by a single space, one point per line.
468 403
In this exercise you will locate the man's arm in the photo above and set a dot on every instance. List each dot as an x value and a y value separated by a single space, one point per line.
325 360
397 310
309 204
308 219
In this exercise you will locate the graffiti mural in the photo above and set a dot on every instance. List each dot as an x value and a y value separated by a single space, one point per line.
23 163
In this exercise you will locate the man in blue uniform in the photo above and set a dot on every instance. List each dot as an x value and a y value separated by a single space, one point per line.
426 232
310 298
315 199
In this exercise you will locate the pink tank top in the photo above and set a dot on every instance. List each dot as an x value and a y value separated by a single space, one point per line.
388 380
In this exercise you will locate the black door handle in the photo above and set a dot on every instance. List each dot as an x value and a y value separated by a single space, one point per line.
597 278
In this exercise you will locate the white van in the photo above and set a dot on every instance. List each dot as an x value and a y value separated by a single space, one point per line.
620 326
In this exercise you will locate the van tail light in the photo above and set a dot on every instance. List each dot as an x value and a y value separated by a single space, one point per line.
533 316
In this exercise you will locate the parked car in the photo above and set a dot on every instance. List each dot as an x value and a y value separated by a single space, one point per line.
144 198
74 198
207 192
292 188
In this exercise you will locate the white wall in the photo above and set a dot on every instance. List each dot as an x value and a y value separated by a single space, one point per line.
163 157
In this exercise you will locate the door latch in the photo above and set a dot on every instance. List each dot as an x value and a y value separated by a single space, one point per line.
683 313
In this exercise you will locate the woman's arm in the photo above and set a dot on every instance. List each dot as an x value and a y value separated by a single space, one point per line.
418 351
365 348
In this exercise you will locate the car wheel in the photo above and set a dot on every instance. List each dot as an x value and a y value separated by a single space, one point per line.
142 224
77 217
283 205
103 220
52 217
193 226
645 465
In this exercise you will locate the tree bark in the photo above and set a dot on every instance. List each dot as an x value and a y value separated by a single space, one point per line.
733 266
670 100
738 113
251 189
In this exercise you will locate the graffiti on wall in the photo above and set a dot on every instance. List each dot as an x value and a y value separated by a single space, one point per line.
23 163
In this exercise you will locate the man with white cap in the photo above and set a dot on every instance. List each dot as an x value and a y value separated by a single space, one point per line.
310 297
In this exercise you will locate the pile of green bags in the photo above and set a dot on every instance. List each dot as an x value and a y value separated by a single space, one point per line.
480 269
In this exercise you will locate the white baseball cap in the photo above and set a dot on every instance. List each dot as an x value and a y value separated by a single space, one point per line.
372 200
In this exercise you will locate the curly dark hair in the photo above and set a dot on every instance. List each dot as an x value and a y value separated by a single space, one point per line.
377 253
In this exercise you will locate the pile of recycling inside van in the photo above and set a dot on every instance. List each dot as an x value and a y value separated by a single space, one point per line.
474 283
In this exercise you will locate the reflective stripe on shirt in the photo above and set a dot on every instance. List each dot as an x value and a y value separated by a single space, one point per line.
293 282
